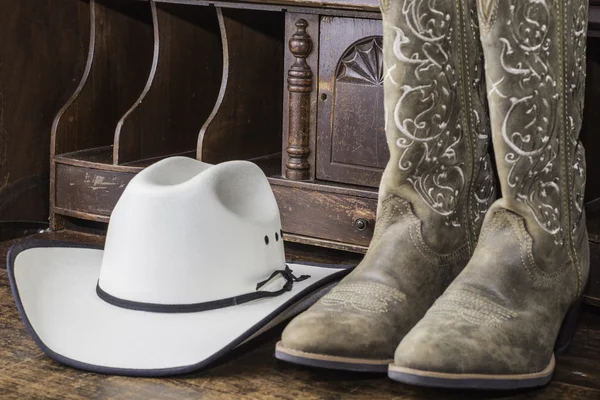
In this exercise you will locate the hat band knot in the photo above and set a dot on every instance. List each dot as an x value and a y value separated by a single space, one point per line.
289 277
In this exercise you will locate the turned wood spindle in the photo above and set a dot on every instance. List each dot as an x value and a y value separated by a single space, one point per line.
300 81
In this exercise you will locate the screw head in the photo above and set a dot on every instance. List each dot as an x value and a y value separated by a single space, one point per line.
361 224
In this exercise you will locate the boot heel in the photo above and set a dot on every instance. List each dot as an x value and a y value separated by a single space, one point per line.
567 330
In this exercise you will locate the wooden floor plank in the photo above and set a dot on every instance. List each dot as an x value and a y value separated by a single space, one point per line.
580 364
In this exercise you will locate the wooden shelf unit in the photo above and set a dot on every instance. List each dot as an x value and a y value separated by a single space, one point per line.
247 79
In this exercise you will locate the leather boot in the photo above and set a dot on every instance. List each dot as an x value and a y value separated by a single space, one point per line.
514 306
433 195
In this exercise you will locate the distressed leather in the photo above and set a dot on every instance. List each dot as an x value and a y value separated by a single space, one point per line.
434 192
503 313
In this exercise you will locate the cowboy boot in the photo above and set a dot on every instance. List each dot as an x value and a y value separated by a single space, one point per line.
514 306
433 195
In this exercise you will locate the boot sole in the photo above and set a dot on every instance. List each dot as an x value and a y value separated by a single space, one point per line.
471 381
330 362
494 382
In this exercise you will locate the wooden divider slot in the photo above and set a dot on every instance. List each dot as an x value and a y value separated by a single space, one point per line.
162 80
181 89
246 121
119 55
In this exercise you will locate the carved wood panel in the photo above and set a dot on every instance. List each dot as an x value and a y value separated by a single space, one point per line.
351 144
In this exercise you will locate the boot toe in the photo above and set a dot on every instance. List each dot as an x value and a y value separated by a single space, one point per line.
461 348
430 348
338 335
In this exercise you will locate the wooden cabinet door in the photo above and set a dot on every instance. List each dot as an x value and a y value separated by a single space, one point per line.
351 143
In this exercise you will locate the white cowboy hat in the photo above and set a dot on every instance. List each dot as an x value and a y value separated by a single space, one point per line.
192 267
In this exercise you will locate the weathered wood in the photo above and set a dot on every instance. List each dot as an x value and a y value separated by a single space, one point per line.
299 85
579 365
363 5
592 294
312 61
351 142
182 88
325 215
80 215
303 193
105 90
124 145
88 190
40 51
10 230
330 244
591 121
594 19
327 187
246 120
371 6
121 30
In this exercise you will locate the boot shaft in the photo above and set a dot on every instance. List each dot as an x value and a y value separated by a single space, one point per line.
436 117
535 66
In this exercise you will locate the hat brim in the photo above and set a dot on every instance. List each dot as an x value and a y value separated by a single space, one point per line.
54 285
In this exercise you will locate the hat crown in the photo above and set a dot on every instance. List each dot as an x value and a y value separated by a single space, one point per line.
186 232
